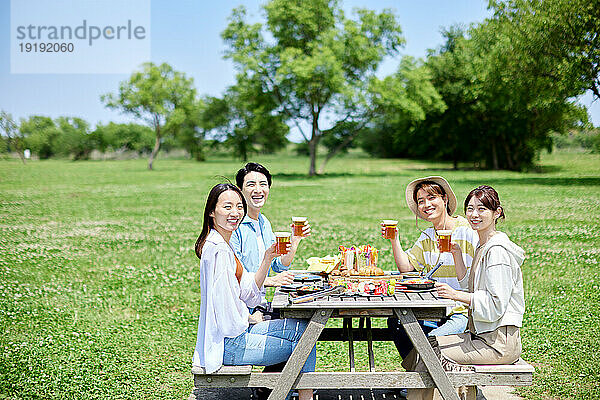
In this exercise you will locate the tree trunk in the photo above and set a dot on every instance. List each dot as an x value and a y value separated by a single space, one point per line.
494 156
509 160
312 145
21 155
339 147
156 147
199 155
312 151
18 148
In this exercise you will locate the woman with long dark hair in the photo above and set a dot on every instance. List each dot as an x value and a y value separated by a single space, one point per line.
495 296
227 291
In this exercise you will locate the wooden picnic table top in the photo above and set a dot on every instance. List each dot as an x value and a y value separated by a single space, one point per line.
412 299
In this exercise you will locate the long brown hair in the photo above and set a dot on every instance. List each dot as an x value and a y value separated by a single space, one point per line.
211 204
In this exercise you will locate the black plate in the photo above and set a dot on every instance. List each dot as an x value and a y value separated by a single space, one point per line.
290 288
424 285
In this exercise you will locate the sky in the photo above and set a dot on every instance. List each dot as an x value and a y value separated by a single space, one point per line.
186 35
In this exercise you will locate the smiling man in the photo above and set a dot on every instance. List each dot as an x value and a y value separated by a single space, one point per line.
255 234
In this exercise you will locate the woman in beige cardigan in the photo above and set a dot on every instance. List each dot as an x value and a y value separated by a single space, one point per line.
495 297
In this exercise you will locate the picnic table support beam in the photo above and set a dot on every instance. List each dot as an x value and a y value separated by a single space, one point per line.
432 363
370 346
291 371
348 326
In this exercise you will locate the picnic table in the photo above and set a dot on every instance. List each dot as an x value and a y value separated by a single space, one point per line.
407 306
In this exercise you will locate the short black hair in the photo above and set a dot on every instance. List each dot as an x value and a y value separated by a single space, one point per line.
251 167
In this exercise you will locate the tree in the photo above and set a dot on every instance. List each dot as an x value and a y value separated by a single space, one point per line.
40 134
190 133
560 37
401 102
160 96
10 130
133 137
75 138
246 119
317 65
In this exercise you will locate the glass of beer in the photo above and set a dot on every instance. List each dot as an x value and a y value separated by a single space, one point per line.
444 238
390 228
299 223
281 241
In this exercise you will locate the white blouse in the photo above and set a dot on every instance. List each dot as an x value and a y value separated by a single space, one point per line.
224 302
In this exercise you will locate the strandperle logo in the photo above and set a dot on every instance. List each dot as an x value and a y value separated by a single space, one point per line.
128 31
79 36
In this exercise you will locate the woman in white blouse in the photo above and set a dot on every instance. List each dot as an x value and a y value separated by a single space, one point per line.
495 296
227 290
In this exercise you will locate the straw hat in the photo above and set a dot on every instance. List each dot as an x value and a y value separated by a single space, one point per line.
436 179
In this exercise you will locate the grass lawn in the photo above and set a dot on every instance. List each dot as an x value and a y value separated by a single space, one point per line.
99 289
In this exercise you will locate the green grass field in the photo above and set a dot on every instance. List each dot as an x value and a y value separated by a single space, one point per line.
99 289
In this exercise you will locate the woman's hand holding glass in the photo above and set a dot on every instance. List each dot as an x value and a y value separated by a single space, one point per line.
455 249
386 229
271 253
446 291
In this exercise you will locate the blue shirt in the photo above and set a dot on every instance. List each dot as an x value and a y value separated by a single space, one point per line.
243 241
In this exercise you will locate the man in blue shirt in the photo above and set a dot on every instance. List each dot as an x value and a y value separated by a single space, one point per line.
255 234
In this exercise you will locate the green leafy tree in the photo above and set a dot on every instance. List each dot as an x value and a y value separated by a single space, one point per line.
10 131
162 97
132 137
246 120
40 135
504 97
190 133
75 138
560 39
316 65
401 101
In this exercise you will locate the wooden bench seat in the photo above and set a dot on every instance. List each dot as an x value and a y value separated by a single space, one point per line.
518 374
229 379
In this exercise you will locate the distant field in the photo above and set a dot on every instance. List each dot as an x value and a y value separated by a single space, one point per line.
99 291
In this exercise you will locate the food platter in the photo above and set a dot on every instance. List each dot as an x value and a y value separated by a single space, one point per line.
308 289
417 283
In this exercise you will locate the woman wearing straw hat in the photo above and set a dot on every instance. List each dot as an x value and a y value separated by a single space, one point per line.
432 199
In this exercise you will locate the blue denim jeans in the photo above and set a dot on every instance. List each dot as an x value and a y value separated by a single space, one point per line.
456 323
267 343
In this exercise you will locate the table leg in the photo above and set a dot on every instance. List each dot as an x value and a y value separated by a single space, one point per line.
370 346
292 368
348 326
433 364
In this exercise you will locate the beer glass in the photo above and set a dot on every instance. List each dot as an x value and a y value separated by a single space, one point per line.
299 223
390 228
281 241
444 238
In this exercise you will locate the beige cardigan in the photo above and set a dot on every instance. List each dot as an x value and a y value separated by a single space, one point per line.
498 297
